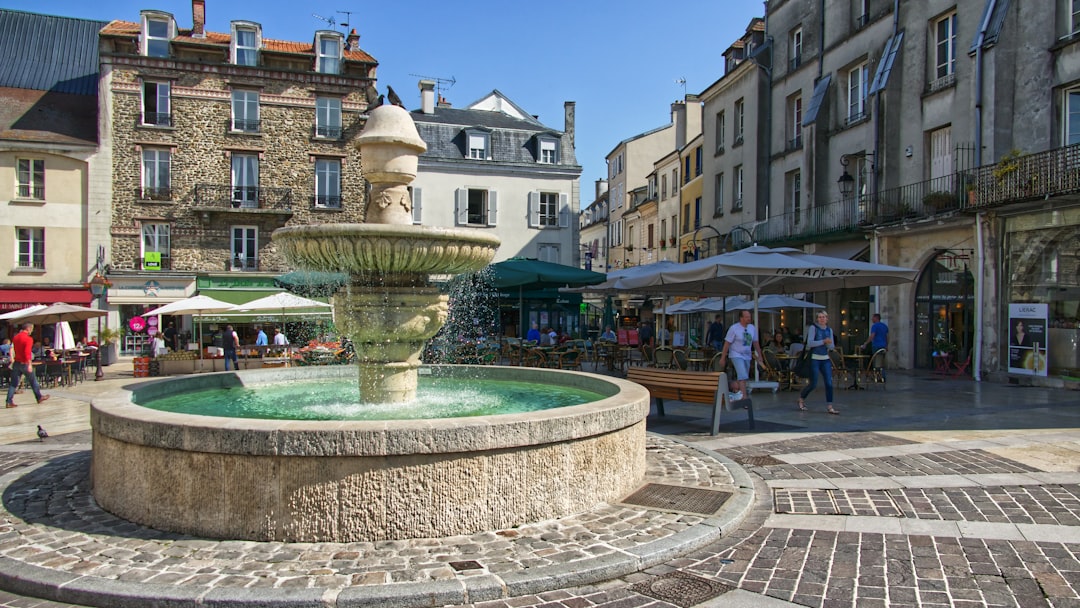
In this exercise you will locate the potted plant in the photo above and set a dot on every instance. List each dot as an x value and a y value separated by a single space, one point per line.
970 188
943 347
939 201
629 247
108 340
671 241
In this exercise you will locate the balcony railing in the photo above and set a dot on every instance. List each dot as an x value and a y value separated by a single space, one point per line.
328 132
248 264
153 194
1011 180
245 125
157 119
326 202
243 197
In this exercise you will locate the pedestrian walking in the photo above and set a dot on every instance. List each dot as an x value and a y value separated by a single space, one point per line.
22 365
819 339
742 343
879 335
714 336
229 343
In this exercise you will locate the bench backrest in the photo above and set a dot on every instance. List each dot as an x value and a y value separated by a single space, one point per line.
692 387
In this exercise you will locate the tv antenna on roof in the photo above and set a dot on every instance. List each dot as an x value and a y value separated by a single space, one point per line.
348 18
441 84
329 20
682 81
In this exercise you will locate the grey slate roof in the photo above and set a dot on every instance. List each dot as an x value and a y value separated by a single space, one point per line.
513 140
48 53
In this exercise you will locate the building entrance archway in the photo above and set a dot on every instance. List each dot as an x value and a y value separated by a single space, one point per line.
944 300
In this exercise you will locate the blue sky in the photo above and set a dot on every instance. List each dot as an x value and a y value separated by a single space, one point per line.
618 60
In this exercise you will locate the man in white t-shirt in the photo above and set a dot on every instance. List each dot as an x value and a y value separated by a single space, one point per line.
279 338
741 342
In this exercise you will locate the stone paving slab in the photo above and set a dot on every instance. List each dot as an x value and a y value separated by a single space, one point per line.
55 542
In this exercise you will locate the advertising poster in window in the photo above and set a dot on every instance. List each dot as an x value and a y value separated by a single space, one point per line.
1027 339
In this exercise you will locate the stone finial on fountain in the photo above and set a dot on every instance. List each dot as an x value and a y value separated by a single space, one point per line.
389 147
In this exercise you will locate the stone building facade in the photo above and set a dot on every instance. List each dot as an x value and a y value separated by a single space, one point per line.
218 139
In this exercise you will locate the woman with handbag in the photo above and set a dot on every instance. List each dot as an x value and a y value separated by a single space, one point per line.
819 341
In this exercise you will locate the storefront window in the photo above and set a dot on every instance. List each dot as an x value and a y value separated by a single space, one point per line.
1042 265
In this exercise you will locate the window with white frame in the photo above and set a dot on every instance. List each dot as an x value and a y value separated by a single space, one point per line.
157 37
544 209
856 93
720 131
245 248
686 217
549 151
793 181
794 121
329 59
156 175
663 187
328 117
475 207
674 181
862 17
697 161
416 196
1071 122
663 232
945 43
478 143
327 183
31 175
245 180
1074 16
718 195
245 111
31 246
630 237
795 47
245 46
157 238
737 203
740 113
156 104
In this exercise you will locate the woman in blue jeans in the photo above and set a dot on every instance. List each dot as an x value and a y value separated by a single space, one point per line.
819 340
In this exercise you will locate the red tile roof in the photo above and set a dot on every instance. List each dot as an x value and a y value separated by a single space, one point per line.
128 28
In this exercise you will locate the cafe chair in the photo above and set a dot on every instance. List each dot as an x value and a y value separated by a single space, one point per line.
960 367
714 363
875 369
681 361
571 359
840 372
663 357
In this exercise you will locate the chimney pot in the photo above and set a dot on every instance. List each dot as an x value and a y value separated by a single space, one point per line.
198 18
427 96
353 40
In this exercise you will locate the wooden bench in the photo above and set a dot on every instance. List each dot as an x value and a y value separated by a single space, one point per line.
710 388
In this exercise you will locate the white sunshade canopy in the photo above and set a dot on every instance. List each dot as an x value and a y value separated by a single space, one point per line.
195 305
774 301
22 311
282 300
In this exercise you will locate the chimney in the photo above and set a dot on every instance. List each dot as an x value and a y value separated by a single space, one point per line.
198 18
443 103
678 116
568 120
353 41
427 96
601 188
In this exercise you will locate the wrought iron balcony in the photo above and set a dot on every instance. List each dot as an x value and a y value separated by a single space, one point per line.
1014 179
245 125
157 119
154 194
242 198
328 132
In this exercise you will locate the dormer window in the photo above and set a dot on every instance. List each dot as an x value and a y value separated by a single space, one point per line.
328 47
157 31
478 145
549 151
245 43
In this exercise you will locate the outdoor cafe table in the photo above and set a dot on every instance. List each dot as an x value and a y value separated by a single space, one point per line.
857 360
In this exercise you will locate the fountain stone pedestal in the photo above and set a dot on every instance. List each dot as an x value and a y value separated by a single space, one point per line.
388 309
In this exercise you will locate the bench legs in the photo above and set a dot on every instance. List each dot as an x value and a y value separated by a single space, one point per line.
659 406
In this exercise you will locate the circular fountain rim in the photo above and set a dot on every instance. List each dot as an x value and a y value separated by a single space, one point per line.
116 415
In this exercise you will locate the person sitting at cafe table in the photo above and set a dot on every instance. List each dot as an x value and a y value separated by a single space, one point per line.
5 348
608 335
776 345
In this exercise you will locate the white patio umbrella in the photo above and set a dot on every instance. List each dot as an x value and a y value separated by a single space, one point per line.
11 315
55 313
283 301
761 270
65 340
195 305
775 301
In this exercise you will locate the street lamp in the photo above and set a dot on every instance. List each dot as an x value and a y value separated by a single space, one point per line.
97 286
846 182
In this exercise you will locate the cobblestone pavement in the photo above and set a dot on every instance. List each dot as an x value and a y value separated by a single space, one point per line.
936 493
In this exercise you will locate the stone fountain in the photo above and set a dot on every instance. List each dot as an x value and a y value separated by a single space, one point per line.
388 309
349 480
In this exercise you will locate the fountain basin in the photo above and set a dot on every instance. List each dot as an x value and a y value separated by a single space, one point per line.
352 481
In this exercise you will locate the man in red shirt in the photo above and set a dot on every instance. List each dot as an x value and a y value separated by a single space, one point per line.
22 364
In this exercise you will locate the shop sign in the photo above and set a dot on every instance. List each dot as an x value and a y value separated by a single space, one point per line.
137 324
235 282
152 260
1027 338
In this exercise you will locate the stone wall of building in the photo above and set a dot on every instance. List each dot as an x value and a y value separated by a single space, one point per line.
202 144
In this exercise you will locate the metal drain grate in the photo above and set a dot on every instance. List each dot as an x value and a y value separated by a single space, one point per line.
681 589
678 498
758 461
469 565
